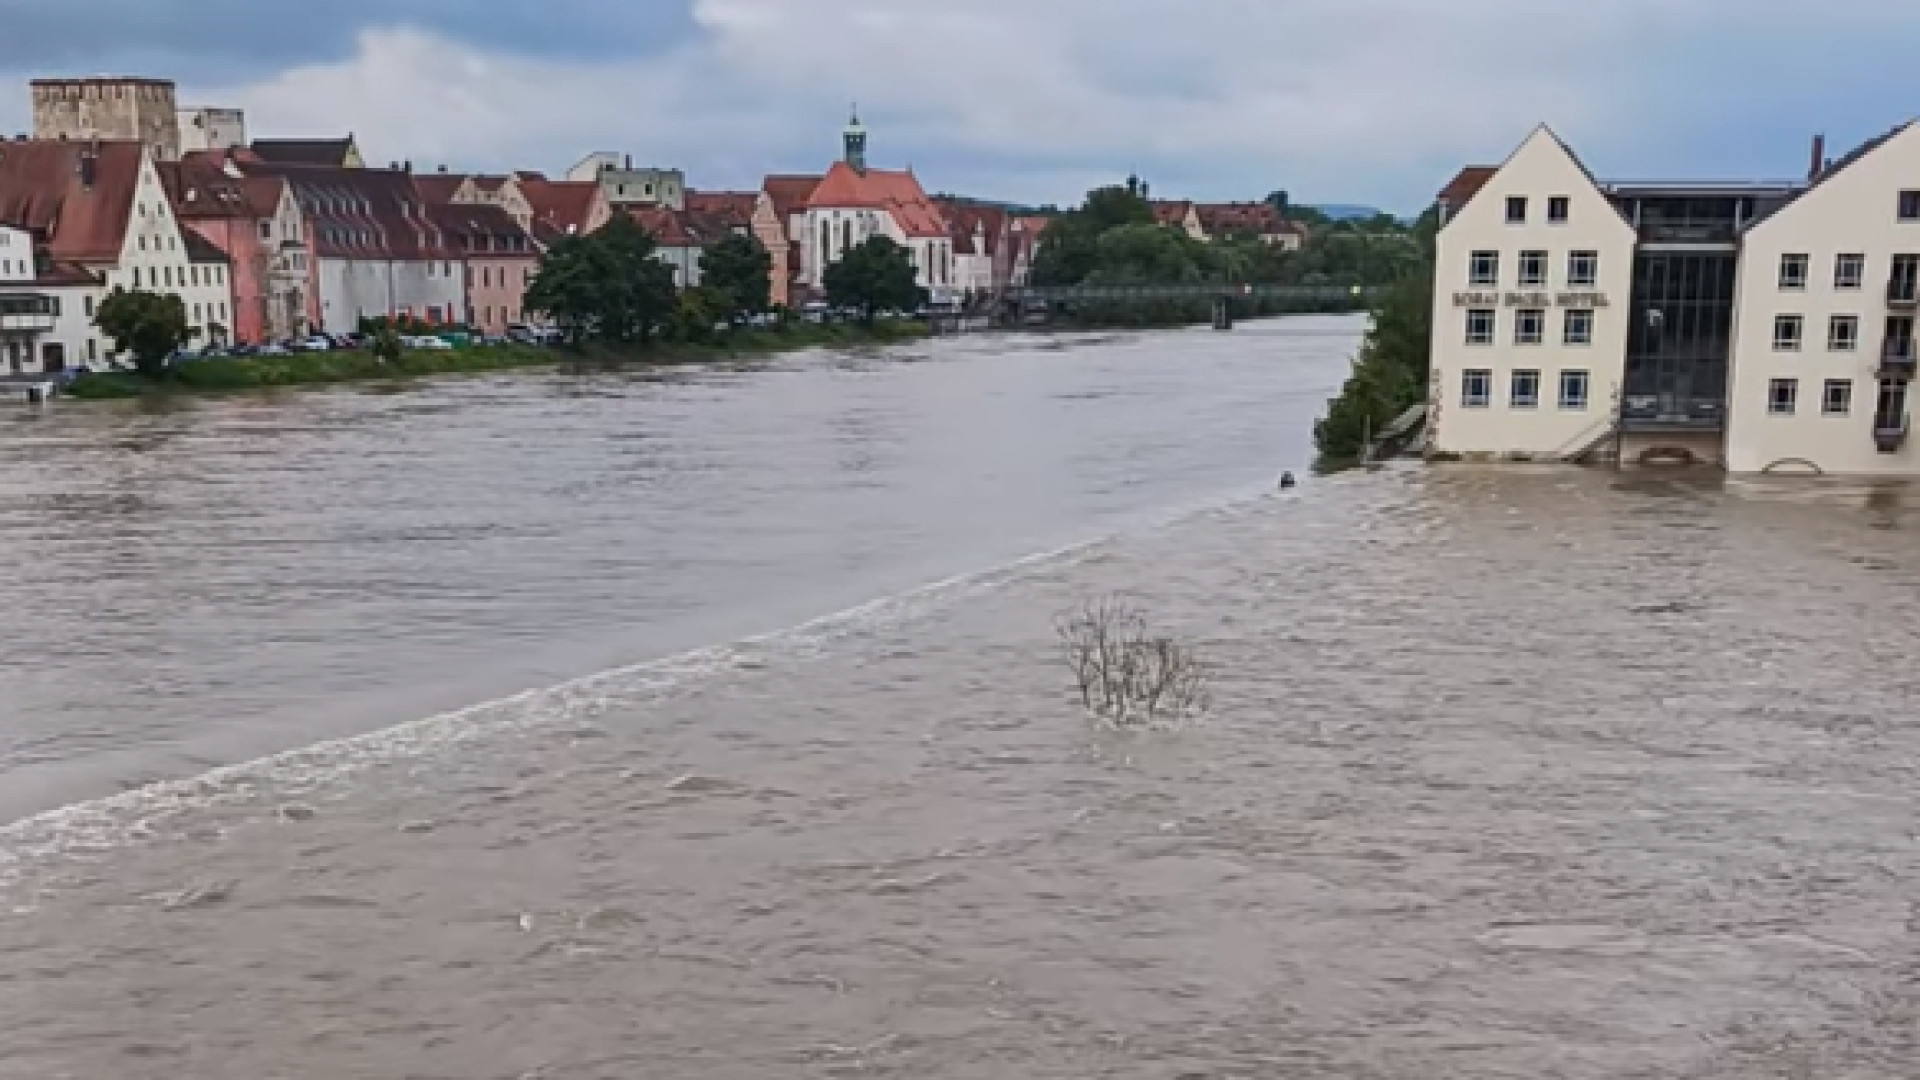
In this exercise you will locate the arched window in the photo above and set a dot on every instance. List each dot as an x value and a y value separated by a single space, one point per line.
826 244
846 235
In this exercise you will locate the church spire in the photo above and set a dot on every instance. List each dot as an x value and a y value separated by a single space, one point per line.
855 137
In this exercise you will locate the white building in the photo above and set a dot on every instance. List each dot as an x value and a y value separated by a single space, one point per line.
1823 339
205 128
1763 326
1531 287
853 203
86 218
626 186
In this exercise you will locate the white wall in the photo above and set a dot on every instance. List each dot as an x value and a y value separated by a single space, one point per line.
351 289
153 257
1852 211
1540 170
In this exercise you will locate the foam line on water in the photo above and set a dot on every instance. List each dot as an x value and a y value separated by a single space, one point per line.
103 824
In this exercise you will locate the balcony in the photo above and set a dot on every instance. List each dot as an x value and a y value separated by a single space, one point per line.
1898 359
1889 435
26 324
26 313
1903 294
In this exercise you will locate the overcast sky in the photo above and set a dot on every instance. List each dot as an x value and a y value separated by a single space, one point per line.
1371 101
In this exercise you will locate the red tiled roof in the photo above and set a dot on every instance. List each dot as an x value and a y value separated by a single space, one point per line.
1171 212
672 228
1258 218
438 187
328 152
733 208
202 250
1464 186
965 220
789 193
42 191
559 207
898 193
364 213
200 189
482 229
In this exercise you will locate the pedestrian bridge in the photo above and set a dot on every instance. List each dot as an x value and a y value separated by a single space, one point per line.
1052 294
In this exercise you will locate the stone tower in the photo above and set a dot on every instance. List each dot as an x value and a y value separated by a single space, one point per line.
109 108
856 140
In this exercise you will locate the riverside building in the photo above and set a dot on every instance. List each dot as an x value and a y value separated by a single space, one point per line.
1761 326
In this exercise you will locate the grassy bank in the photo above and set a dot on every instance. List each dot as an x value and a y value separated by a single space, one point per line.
359 365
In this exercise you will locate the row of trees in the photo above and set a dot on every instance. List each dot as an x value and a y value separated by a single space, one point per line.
1113 239
610 286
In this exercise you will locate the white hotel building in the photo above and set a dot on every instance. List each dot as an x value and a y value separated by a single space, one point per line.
1765 327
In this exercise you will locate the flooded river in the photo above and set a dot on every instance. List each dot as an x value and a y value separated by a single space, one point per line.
1508 773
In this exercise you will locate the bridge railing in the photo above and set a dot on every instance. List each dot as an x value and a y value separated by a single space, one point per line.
1059 293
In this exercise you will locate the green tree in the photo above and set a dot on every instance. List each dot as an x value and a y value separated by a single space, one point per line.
697 311
151 326
1147 254
874 276
739 266
1390 374
606 285
1068 250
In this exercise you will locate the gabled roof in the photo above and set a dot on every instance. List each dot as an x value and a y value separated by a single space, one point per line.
789 193
439 187
330 152
897 193
1851 158
967 220
671 228
201 189
1171 211
733 208
1258 218
482 229
43 190
363 213
202 250
560 207
1464 186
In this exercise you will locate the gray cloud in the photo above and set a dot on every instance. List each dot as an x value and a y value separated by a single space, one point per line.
204 38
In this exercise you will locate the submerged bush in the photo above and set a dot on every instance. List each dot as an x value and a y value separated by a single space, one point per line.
1127 674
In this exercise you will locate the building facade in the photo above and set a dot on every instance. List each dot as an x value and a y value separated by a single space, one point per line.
854 203
1824 313
93 217
626 186
775 215
204 128
111 109
257 224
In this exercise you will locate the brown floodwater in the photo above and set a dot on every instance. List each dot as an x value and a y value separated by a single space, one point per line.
1527 773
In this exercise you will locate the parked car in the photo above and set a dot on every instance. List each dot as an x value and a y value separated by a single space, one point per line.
272 349
431 344
316 343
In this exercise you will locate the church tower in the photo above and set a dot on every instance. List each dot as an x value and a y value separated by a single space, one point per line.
856 140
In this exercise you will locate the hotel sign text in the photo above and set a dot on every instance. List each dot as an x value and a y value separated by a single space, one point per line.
1491 298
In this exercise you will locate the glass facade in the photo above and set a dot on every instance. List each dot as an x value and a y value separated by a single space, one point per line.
1679 337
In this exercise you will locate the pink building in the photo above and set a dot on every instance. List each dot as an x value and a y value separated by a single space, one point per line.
257 224
500 260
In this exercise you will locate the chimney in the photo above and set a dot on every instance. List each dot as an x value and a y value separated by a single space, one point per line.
1819 164
407 167
629 162
443 170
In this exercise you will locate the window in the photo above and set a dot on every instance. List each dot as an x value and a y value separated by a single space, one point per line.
1529 326
1786 333
1533 268
1516 209
136 277
1579 327
1793 271
93 349
1848 270
1525 391
1910 206
446 269
1559 208
87 303
1837 398
1573 390
1484 268
1480 326
1782 395
196 313
266 230
1843 333
195 272
1583 267
143 243
223 309
1476 388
